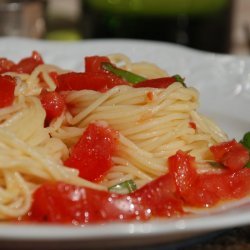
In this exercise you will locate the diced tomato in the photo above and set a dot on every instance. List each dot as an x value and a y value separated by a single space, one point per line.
181 166
28 64
231 154
53 103
236 158
5 65
37 57
7 88
64 203
205 190
91 81
92 153
163 82
160 197
210 189
165 196
188 183
239 181
93 63
219 150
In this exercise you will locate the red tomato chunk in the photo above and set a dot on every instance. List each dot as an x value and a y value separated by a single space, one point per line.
63 203
232 154
28 64
94 77
5 65
205 190
181 166
163 197
53 103
88 80
163 82
93 63
7 88
222 148
92 153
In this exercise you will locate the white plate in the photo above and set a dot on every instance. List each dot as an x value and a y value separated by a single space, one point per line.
224 84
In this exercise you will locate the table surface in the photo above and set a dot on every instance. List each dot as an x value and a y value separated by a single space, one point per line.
232 239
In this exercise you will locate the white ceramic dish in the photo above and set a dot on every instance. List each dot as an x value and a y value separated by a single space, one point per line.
224 85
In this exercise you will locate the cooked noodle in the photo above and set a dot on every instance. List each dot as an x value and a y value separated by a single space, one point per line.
150 130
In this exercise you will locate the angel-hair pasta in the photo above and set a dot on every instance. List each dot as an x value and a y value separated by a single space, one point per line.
153 123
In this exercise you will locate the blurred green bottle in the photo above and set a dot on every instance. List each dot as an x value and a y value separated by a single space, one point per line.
201 24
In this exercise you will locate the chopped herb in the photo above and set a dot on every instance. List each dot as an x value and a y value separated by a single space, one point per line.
247 165
123 187
124 74
246 140
215 164
180 79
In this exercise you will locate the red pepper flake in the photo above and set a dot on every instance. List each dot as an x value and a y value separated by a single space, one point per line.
192 125
150 96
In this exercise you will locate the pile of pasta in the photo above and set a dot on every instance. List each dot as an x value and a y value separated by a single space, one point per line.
151 128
